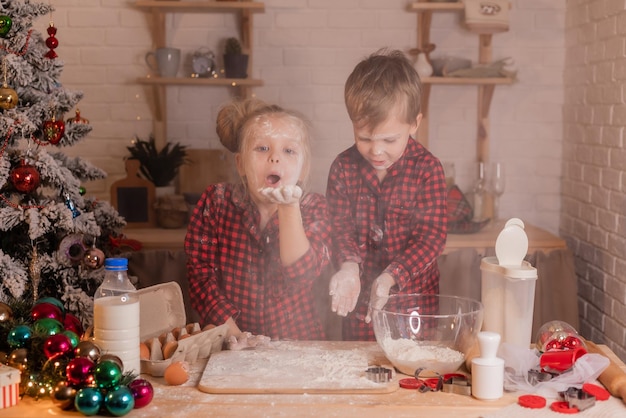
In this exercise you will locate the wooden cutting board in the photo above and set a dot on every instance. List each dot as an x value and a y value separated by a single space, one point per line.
296 367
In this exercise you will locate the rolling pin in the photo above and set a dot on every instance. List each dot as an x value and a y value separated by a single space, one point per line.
613 377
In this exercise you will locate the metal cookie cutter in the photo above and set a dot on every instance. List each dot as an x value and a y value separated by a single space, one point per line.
457 383
578 398
537 376
430 384
379 374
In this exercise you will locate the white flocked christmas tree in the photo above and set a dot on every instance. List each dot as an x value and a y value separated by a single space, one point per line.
53 237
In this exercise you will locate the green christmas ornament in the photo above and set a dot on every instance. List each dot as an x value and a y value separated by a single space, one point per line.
82 190
74 338
88 401
48 326
5 25
19 336
119 401
107 374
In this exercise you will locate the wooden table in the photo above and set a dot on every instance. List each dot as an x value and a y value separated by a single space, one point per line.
484 240
188 401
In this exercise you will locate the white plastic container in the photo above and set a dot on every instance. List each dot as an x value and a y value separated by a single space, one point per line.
508 287
508 295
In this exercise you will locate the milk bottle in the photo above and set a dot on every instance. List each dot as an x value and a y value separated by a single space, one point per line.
116 315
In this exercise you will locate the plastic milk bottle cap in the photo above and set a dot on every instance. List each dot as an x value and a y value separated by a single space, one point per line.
488 370
512 244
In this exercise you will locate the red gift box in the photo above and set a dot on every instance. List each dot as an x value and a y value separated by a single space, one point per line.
9 382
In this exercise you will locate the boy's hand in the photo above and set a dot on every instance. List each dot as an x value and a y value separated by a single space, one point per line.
283 195
345 286
379 294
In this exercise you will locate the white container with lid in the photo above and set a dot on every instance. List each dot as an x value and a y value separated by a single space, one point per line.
488 369
508 290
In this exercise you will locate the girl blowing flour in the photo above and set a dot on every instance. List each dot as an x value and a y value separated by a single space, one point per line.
255 249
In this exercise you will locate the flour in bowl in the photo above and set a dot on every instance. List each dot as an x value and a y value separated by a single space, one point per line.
407 356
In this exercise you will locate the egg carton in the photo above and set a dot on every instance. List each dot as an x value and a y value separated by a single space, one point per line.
161 311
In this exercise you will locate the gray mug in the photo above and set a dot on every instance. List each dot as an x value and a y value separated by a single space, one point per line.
164 61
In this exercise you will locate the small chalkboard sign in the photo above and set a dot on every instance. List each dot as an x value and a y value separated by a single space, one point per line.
133 198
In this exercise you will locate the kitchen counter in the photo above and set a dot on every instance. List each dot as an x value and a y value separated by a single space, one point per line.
483 240
188 401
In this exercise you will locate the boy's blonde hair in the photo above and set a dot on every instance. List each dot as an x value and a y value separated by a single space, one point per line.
378 84
238 120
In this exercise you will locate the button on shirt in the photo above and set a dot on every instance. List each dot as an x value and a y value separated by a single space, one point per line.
396 226
234 268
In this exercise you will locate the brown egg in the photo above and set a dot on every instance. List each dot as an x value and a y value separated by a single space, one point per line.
176 332
169 349
208 327
144 351
177 373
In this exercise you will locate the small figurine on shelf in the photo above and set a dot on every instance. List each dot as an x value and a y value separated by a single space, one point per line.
235 61
422 61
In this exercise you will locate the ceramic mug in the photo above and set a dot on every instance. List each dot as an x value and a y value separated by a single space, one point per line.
164 61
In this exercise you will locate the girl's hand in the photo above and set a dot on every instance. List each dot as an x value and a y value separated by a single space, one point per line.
283 195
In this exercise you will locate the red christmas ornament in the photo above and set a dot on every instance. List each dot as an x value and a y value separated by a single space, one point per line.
142 391
53 130
58 344
46 310
72 323
25 178
572 342
52 42
79 371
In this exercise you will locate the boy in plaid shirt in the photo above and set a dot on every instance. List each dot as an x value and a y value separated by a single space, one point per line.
386 194
255 249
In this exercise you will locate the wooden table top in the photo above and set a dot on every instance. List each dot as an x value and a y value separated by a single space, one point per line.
538 239
188 401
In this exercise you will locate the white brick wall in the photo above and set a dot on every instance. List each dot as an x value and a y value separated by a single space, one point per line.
593 219
304 50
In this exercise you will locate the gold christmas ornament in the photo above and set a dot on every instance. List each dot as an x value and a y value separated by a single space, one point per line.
8 96
35 273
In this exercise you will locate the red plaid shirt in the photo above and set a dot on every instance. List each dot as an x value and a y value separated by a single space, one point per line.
397 226
234 268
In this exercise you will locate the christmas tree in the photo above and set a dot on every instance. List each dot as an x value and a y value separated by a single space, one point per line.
53 239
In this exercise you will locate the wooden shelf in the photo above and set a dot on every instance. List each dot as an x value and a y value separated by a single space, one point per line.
190 81
486 86
433 7
200 6
158 11
466 80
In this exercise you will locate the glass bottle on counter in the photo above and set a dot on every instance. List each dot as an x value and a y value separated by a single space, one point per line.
116 315
480 188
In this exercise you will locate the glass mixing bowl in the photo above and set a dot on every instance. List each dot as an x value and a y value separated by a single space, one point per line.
430 332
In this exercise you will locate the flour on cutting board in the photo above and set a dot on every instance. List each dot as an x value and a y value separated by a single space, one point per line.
287 367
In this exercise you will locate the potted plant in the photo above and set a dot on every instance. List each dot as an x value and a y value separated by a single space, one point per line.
235 61
159 167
